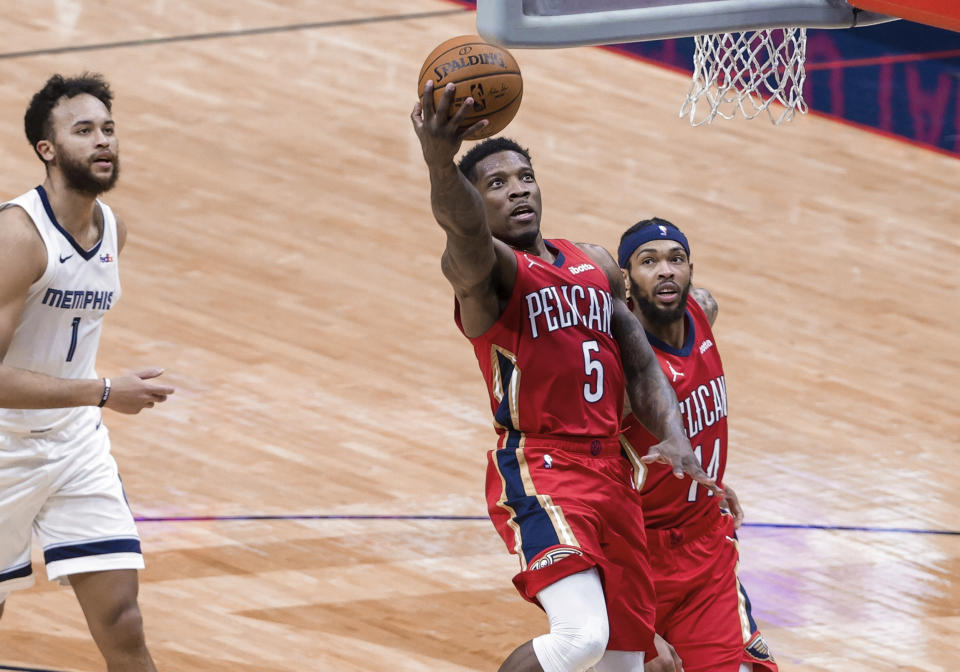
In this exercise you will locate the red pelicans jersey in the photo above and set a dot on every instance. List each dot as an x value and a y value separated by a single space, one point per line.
696 373
550 362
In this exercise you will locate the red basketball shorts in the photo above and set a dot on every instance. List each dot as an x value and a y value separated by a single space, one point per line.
566 506
702 609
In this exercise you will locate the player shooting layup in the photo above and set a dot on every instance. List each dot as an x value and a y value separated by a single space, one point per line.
556 344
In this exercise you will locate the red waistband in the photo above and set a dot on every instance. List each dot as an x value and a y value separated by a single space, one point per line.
672 537
591 446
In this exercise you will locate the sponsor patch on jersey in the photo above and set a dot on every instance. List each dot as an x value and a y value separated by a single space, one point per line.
758 648
106 258
553 556
581 268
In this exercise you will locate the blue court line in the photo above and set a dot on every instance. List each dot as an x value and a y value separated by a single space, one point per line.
27 669
781 526
302 516
853 528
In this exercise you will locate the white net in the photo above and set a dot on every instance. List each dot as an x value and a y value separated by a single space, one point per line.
754 71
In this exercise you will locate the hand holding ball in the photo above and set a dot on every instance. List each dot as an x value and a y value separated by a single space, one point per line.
482 71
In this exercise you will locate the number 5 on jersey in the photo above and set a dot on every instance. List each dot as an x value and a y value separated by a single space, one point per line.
592 389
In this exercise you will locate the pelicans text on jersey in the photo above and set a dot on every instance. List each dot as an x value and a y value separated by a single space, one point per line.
550 362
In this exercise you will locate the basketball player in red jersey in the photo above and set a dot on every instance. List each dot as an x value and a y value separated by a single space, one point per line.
557 346
702 609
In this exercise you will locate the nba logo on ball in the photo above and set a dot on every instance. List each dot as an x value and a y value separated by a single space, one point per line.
485 72
476 92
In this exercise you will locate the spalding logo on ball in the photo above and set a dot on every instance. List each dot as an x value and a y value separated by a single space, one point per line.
485 72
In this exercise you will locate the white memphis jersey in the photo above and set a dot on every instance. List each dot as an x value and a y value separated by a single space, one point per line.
59 331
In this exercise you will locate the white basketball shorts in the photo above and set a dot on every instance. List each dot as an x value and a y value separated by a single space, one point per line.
65 488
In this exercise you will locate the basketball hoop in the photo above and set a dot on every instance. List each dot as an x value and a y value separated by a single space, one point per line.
747 71
757 69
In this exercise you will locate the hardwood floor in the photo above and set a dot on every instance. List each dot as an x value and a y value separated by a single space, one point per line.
283 265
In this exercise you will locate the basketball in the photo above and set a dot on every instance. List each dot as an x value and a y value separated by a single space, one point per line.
483 71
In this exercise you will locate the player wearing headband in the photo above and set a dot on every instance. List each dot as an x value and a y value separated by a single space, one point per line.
702 609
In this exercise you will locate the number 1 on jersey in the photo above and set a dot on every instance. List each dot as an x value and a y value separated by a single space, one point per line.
73 338
712 469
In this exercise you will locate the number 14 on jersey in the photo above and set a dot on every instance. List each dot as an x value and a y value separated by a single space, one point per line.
712 469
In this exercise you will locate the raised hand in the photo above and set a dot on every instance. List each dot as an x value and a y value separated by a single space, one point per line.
440 134
134 392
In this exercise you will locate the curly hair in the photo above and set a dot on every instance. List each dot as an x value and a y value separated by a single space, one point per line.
36 121
484 149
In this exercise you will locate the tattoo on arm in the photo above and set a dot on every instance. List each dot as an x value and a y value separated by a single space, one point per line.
469 257
652 398
706 301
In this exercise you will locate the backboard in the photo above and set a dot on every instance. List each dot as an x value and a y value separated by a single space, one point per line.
567 23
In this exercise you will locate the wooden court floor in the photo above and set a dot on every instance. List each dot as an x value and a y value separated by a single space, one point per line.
312 495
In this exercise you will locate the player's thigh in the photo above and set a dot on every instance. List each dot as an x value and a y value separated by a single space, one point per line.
707 627
25 482
86 524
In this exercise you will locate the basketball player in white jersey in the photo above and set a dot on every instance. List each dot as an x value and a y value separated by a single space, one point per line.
59 247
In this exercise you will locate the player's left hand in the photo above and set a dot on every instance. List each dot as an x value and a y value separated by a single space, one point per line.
682 460
667 659
733 503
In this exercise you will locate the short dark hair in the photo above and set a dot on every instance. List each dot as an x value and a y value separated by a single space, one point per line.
482 150
36 121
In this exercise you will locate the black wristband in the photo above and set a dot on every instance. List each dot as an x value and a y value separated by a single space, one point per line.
106 392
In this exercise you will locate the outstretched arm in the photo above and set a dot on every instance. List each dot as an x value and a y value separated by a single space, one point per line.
471 260
652 399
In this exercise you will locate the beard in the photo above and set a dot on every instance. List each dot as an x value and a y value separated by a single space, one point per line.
660 317
79 176
524 241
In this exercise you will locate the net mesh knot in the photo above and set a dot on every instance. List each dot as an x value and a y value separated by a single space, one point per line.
747 71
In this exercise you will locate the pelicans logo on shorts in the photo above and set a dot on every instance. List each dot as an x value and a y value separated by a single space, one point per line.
758 648
552 556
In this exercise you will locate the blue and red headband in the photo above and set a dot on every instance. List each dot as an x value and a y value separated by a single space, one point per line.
653 231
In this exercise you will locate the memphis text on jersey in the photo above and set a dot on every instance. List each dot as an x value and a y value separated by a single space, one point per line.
552 308
78 299
704 406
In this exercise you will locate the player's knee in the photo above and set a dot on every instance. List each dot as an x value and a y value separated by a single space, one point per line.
572 646
122 629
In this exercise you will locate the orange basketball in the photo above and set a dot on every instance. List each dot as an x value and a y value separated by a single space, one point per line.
483 71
